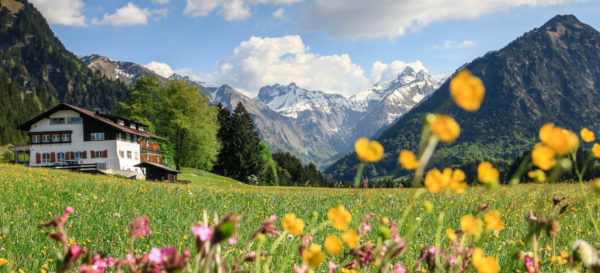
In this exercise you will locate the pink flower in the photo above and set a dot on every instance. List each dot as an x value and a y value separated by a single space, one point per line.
453 260
155 256
110 261
232 240
186 253
333 267
139 227
69 210
202 232
76 250
100 265
399 268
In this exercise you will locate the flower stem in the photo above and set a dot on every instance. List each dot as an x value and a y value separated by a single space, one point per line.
359 172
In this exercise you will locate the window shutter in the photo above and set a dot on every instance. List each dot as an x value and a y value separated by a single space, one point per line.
84 154
38 158
105 154
52 157
93 154
68 155
72 155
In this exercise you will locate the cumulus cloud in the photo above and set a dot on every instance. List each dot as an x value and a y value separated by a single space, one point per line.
62 12
356 18
130 15
264 61
231 10
453 44
278 13
162 69
162 2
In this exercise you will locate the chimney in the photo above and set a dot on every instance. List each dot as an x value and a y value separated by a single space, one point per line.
98 111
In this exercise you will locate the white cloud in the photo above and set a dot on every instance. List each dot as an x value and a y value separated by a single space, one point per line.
162 69
162 2
231 10
62 12
453 44
278 13
376 18
130 15
264 61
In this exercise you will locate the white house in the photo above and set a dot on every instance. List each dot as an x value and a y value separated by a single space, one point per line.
67 133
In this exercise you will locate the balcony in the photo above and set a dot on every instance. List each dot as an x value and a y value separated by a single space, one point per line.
150 148
147 157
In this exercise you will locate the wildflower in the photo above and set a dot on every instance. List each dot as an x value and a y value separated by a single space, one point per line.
333 244
292 224
543 157
408 160
587 135
596 150
313 255
139 227
584 252
232 240
492 221
350 238
487 173
332 267
597 185
155 256
339 217
368 150
559 139
445 128
484 264
437 181
3 261
467 90
471 225
202 232
69 210
346 270
267 227
428 206
537 175
451 235
399 268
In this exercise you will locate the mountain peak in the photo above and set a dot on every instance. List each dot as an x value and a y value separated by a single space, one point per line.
568 19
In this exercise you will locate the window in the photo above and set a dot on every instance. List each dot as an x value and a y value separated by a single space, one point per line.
61 157
129 154
56 138
135 138
78 155
97 136
128 137
45 138
121 154
132 125
98 153
57 121
135 156
35 138
66 137
45 158
74 120
121 122
141 128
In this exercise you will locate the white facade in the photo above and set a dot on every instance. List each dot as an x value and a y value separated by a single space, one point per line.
113 161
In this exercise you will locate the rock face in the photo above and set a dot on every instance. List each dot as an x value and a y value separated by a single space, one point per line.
127 72
550 74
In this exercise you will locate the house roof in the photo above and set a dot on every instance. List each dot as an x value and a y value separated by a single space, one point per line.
154 164
63 106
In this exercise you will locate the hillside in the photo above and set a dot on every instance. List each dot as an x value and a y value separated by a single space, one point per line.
37 72
127 72
549 74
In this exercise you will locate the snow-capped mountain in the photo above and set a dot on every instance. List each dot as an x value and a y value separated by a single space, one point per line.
127 72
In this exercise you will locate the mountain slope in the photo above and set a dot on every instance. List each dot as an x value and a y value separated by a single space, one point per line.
550 74
127 72
43 71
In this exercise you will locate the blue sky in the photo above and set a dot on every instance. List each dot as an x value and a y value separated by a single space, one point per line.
341 46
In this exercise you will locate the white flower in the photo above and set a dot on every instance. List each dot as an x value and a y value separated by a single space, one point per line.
584 252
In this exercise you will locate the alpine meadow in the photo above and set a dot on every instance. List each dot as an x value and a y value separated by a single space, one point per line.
299 136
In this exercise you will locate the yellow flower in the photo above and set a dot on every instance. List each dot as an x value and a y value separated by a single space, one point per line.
445 128
596 150
428 206
587 135
437 181
492 220
471 225
484 264
333 244
345 270
543 157
487 173
537 175
559 139
368 150
339 217
3 261
451 235
313 255
292 224
408 160
467 90
350 238
597 185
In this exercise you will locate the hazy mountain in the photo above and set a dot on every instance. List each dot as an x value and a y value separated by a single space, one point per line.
127 72
550 74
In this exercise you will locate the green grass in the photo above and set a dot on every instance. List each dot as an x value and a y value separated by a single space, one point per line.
104 206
